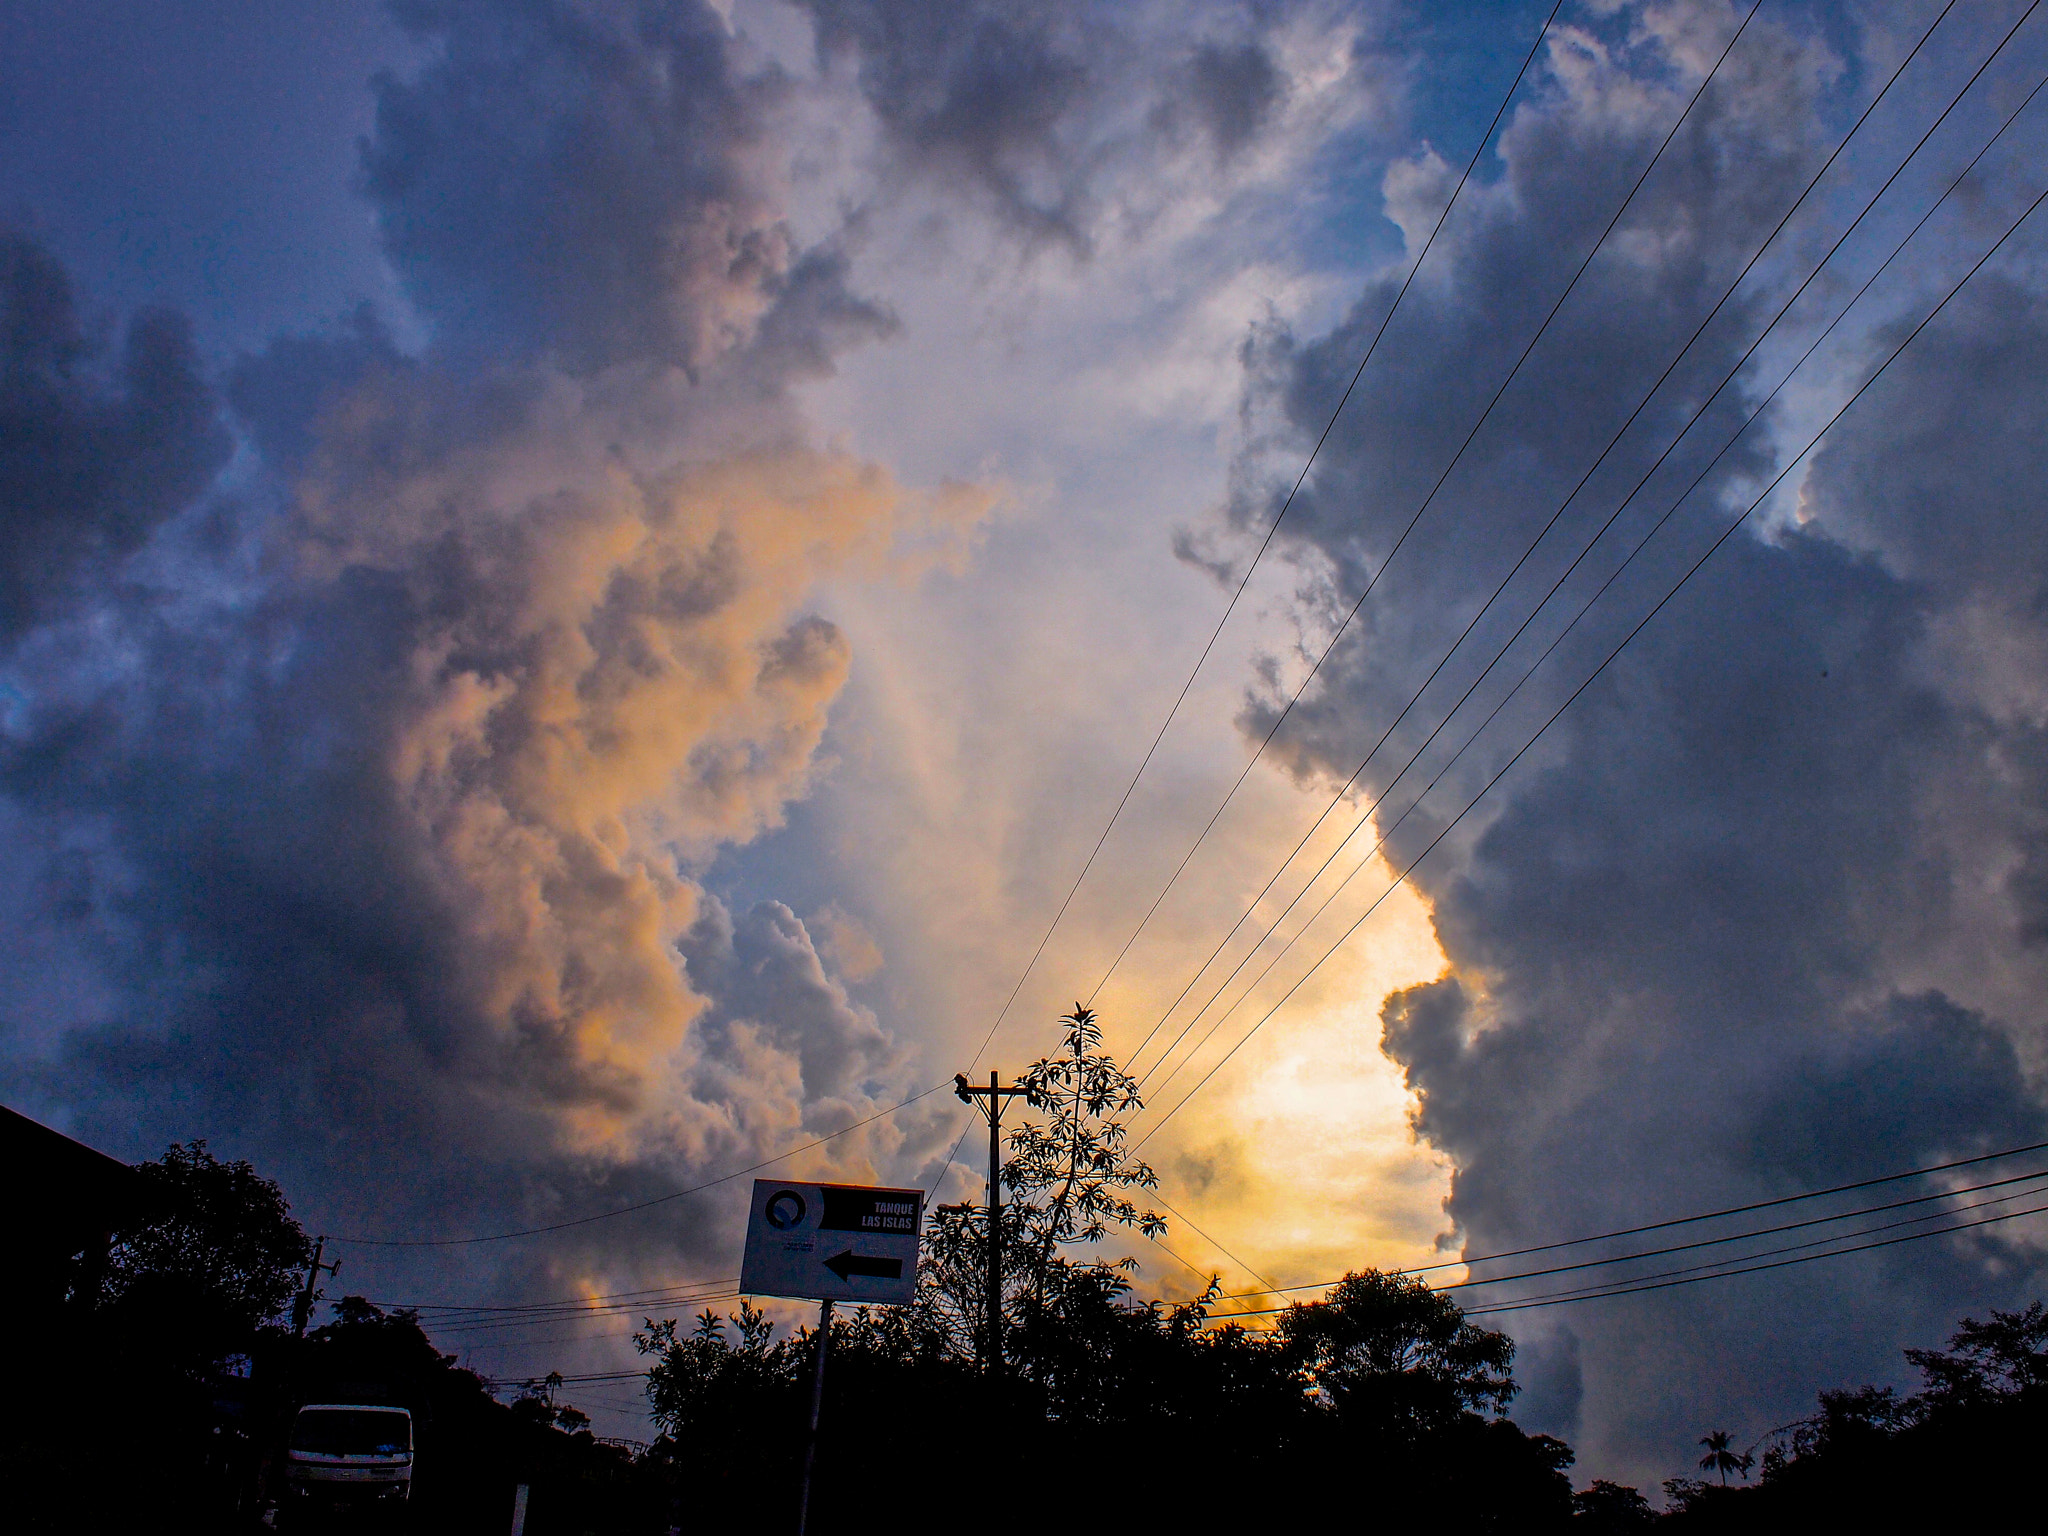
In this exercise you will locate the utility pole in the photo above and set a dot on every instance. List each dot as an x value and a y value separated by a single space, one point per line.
994 1093
302 1309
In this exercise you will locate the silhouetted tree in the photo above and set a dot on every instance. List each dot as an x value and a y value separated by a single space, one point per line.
702 1379
213 1259
1602 1506
536 1404
1066 1178
1721 1459
1984 1362
1070 1173
1388 1350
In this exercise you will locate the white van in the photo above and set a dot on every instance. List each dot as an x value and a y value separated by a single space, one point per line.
349 1452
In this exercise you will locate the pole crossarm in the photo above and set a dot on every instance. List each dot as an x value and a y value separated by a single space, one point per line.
974 1093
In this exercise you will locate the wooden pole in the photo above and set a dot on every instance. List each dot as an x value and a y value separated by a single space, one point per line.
803 1509
992 1323
302 1308
995 1229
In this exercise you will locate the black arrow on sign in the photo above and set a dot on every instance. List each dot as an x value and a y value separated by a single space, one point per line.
848 1264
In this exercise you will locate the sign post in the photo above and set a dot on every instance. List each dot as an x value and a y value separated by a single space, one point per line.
803 1497
827 1243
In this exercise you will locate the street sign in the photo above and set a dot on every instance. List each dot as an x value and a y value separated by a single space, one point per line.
832 1242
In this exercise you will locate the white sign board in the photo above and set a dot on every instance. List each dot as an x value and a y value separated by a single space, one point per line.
836 1242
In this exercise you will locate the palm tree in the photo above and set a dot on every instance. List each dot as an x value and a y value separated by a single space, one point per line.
1722 1460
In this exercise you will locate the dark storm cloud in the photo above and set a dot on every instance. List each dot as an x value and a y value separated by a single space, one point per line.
985 95
95 453
595 183
1058 116
378 834
1232 91
1754 917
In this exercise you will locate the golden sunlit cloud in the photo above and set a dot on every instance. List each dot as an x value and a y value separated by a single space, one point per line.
629 680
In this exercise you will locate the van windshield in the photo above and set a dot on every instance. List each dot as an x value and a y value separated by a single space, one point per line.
351 1432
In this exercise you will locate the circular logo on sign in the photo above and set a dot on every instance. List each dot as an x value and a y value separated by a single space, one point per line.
785 1210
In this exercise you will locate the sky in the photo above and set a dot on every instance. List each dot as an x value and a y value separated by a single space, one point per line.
583 579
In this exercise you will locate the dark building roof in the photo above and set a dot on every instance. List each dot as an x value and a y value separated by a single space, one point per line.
65 1197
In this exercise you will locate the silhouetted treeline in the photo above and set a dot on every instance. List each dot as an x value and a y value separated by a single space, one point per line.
1380 1399
168 1377
1378 1403
175 1375
1965 1448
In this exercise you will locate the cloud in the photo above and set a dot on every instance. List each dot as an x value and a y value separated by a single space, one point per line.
1753 919
1076 126
985 96
370 801
386 822
847 941
1233 91
769 981
95 454
595 183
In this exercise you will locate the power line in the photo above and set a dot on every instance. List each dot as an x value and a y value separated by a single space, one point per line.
535 1231
586 1378
1726 534
1181 1259
564 1301
473 1345
1612 443
1591 602
1750 1235
944 1168
1768 1253
727 1178
483 1325
739 1173
1649 1283
1586 551
1730 1210
1189 1221
1373 581
1811 1258
1264 544
1755 415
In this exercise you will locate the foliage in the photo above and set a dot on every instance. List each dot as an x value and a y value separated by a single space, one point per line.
213 1258
536 1404
1066 1179
1721 1459
1383 1377
1390 1352
1100 1384
703 1380
1874 1459
730 1401
472 1449
952 1272
1986 1362
1070 1173
1381 1395
1602 1506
